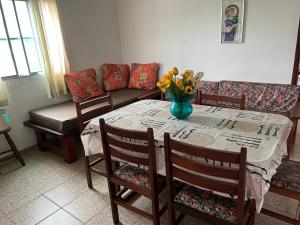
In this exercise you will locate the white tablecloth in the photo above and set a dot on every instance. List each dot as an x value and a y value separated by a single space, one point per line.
263 134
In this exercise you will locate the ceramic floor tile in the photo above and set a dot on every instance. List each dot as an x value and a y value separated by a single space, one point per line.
87 205
69 190
61 217
16 197
33 212
48 180
105 218
4 220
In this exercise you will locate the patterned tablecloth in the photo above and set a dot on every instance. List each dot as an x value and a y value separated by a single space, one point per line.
263 134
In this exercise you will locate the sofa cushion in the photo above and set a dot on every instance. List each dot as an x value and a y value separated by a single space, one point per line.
143 76
210 87
126 96
60 117
279 98
115 76
82 84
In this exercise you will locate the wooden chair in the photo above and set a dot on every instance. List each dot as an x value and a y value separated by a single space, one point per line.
86 111
191 199
286 182
142 180
221 101
4 129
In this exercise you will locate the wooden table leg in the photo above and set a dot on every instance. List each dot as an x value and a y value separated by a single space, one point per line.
14 149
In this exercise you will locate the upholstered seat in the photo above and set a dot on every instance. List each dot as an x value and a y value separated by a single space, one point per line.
205 201
287 176
136 175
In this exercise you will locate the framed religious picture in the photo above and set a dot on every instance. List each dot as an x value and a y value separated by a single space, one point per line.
232 21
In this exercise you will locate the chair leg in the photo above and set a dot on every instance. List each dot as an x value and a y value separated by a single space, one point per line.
88 172
155 210
171 215
14 148
114 207
299 219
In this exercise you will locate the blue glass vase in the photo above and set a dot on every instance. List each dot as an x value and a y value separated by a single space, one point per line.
181 110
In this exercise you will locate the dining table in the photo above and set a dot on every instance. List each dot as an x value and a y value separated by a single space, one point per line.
264 135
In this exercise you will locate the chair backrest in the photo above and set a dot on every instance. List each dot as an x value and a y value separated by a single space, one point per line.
140 150
222 101
90 108
226 173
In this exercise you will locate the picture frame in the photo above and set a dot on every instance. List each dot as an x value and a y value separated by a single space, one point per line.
232 21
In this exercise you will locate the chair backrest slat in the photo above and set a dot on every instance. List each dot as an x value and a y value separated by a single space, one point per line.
205 182
206 153
128 158
127 145
217 171
220 100
138 135
90 108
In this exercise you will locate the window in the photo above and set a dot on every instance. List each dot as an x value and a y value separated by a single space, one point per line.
19 47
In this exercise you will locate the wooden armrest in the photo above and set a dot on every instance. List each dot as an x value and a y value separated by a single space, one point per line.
150 95
296 112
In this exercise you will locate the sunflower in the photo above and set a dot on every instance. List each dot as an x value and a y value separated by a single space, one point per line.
189 90
180 84
175 71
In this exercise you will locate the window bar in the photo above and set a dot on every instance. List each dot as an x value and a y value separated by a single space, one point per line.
8 39
22 39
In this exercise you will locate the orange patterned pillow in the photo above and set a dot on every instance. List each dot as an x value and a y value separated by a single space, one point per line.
143 76
82 84
115 76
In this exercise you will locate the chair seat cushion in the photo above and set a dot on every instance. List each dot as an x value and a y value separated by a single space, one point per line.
205 201
60 117
136 175
287 176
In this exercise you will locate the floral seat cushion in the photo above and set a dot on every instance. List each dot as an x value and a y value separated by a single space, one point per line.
287 176
136 175
115 76
205 201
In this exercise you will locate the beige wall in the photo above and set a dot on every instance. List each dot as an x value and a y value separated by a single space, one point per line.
187 34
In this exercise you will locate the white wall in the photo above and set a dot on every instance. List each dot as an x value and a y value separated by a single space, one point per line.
92 37
186 33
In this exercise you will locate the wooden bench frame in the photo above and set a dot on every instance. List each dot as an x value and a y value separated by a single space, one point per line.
67 141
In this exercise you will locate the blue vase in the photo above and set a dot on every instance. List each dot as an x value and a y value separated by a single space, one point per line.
181 110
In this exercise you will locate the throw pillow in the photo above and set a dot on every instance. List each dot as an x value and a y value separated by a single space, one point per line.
143 76
82 84
115 76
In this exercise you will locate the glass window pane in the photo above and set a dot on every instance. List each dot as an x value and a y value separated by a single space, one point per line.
2 29
20 57
32 55
7 67
10 18
24 19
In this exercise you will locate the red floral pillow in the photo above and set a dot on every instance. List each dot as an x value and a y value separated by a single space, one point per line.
115 76
82 84
143 76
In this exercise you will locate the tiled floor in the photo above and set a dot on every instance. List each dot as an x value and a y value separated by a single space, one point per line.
49 192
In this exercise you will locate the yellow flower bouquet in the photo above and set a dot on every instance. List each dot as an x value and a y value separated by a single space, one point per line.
180 88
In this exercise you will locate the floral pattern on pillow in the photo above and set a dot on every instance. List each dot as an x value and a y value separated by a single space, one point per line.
115 76
143 76
82 84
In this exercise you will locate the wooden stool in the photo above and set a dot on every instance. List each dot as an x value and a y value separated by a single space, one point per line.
4 129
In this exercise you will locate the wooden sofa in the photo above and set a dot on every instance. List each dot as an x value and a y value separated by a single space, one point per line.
56 126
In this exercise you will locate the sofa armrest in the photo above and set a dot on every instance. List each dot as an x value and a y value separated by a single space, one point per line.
296 112
151 95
